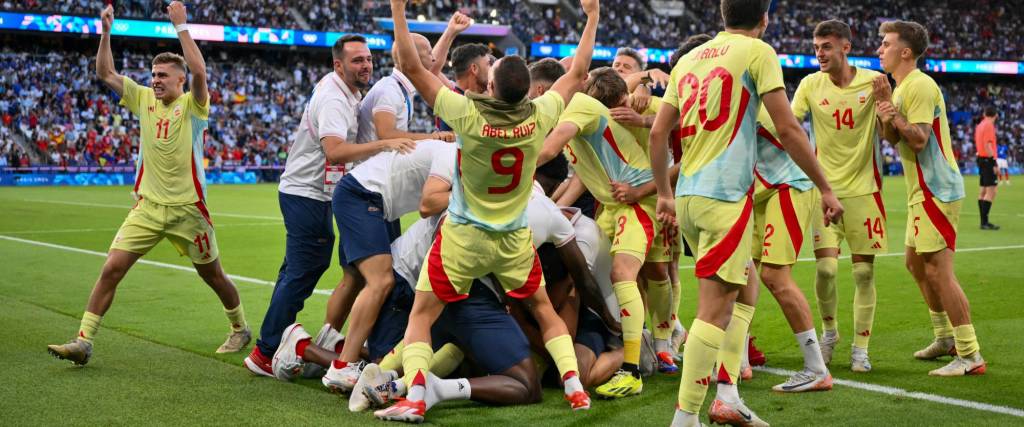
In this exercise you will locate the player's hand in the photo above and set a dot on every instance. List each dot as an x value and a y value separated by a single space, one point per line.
459 22
107 17
660 77
627 116
401 145
176 11
624 192
881 89
885 111
640 98
591 7
666 211
832 208
443 136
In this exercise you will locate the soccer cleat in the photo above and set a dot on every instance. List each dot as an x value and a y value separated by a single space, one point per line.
989 226
236 341
666 365
678 337
754 355
961 366
328 339
409 411
343 380
806 380
578 400
258 363
859 361
622 384
286 363
746 373
938 348
365 388
78 351
733 414
827 343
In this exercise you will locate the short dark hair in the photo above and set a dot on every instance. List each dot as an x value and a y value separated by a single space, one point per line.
910 32
546 70
990 111
833 27
744 14
338 50
689 44
555 170
511 79
170 58
632 53
607 86
463 56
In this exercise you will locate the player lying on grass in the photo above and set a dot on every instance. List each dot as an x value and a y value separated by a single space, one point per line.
170 185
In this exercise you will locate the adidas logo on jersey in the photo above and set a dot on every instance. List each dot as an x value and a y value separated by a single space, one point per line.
877 245
824 103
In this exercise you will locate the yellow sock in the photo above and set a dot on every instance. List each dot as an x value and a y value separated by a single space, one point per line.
863 303
966 341
562 352
677 296
659 300
632 318
237 318
445 360
734 343
416 360
90 324
941 325
698 360
825 291
393 360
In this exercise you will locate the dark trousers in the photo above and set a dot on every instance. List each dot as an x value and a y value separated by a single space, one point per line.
307 256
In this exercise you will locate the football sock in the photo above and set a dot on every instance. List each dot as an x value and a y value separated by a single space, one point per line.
683 418
440 390
564 354
808 342
966 341
90 324
237 318
676 297
735 341
941 324
445 360
659 300
300 347
393 360
699 357
632 318
983 207
825 290
863 302
416 361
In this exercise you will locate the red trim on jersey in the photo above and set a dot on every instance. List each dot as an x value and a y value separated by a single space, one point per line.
439 280
206 214
611 141
744 99
138 179
936 129
796 235
532 282
764 133
195 179
645 221
878 201
763 181
935 214
708 265
874 167
676 140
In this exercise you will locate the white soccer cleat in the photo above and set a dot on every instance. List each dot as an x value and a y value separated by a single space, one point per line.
859 361
286 363
327 339
364 393
734 414
961 366
685 419
827 343
806 380
236 341
938 348
343 380
677 340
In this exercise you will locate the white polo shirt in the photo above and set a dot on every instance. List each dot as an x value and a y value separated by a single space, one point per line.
597 250
393 94
399 178
331 111
409 250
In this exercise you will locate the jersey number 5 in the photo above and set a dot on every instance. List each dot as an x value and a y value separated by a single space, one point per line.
515 169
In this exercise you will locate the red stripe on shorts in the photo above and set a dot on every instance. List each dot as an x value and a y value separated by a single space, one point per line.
789 215
648 225
206 213
878 201
532 281
439 280
935 214
708 265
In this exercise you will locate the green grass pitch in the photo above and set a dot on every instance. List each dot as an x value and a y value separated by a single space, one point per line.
154 360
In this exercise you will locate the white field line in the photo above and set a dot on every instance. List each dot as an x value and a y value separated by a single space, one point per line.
898 392
106 205
962 212
89 230
189 268
892 254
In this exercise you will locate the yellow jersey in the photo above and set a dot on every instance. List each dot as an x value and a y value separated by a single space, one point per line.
774 167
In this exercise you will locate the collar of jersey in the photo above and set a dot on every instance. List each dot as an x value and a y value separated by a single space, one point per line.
499 113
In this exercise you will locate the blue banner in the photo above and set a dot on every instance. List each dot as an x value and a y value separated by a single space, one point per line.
103 178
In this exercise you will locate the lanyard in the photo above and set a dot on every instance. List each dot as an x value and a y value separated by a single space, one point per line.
408 104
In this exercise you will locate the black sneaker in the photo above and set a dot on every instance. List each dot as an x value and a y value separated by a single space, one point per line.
989 226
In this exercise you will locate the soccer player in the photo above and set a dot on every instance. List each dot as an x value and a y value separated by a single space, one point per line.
914 115
602 151
1003 171
499 136
471 64
325 142
170 186
839 101
985 142
714 94
543 74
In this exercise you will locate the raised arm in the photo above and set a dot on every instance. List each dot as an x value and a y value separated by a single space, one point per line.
193 57
104 58
456 25
427 84
572 81
556 140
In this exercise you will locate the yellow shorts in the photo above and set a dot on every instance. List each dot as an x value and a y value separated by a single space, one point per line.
633 230
862 225
188 227
781 218
719 233
931 225
462 252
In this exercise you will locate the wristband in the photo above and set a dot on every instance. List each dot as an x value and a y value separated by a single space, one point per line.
181 27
